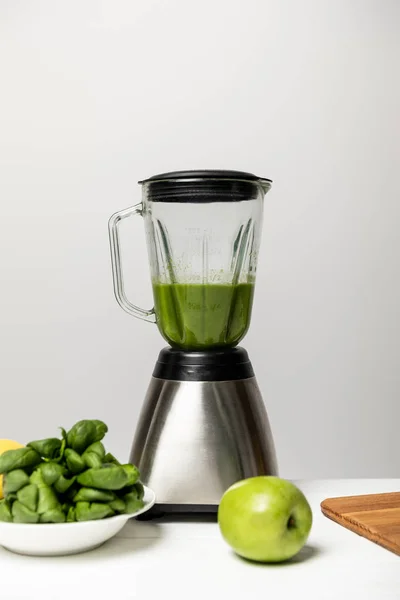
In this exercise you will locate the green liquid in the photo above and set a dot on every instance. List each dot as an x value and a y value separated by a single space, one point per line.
196 316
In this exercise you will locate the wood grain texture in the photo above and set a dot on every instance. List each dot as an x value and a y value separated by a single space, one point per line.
373 516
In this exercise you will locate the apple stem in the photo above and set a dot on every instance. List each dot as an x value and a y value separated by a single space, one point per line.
291 522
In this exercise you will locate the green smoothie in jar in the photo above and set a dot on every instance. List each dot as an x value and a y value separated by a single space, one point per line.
201 316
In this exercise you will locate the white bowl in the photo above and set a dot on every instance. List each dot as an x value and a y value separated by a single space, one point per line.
60 539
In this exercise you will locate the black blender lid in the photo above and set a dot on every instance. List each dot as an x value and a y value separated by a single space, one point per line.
206 174
205 186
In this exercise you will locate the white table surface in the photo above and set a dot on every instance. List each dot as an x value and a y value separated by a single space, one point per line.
185 559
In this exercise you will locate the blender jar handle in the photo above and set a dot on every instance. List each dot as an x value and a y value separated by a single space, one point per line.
119 290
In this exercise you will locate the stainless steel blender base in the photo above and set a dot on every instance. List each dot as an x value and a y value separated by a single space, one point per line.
194 439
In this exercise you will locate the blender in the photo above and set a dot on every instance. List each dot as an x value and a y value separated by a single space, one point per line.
203 425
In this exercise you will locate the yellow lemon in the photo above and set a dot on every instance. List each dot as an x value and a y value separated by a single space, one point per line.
4 446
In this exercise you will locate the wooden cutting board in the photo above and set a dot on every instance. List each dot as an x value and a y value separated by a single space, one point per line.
374 516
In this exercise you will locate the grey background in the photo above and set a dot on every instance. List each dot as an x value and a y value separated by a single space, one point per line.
98 94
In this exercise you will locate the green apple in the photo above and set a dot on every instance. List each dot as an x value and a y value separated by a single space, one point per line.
266 519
